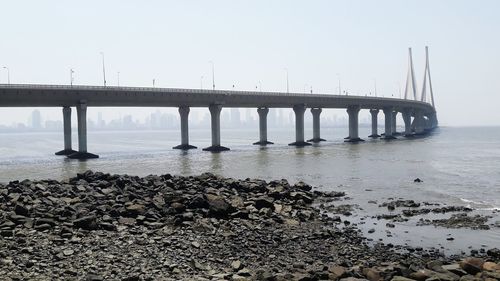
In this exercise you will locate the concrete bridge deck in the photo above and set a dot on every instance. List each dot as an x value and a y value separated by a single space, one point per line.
60 95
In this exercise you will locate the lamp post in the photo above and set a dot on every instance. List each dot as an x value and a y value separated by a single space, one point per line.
201 82
118 78
71 71
375 85
213 74
103 69
340 89
8 74
287 84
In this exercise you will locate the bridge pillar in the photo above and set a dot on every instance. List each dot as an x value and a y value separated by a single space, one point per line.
374 113
428 123
407 119
393 123
299 125
419 123
388 114
184 116
353 112
215 110
81 113
263 111
316 112
67 132
434 121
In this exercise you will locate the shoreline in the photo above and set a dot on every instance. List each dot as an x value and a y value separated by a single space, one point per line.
98 226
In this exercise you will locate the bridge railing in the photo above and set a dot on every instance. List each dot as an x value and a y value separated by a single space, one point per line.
190 91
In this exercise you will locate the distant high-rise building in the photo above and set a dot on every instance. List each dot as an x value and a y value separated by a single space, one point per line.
235 117
36 119
155 119
127 122
167 121
225 118
248 116
100 122
272 117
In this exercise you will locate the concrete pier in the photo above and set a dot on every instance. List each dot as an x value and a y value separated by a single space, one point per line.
67 132
316 112
215 110
184 116
427 123
394 123
263 111
353 112
388 116
407 120
81 113
299 126
434 120
419 123
374 113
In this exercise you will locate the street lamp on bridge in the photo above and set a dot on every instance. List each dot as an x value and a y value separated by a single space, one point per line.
71 79
287 84
103 69
213 75
340 89
8 74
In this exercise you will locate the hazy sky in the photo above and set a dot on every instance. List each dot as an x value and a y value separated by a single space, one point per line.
252 41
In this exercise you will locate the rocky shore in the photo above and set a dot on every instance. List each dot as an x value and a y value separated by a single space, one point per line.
98 226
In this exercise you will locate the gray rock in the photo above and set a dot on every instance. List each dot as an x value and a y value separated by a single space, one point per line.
87 222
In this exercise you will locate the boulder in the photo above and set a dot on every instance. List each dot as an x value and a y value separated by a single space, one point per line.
302 186
353 279
22 210
469 278
372 274
264 202
490 266
87 223
401 278
338 271
198 202
494 253
135 209
217 206
472 265
236 265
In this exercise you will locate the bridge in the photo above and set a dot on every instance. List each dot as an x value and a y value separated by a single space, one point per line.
419 116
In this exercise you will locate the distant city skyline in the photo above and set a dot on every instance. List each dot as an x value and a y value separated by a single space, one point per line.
232 118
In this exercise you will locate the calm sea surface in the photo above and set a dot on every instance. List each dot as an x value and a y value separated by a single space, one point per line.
458 166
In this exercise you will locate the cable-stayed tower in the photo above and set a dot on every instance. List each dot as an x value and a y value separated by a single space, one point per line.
427 76
410 78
